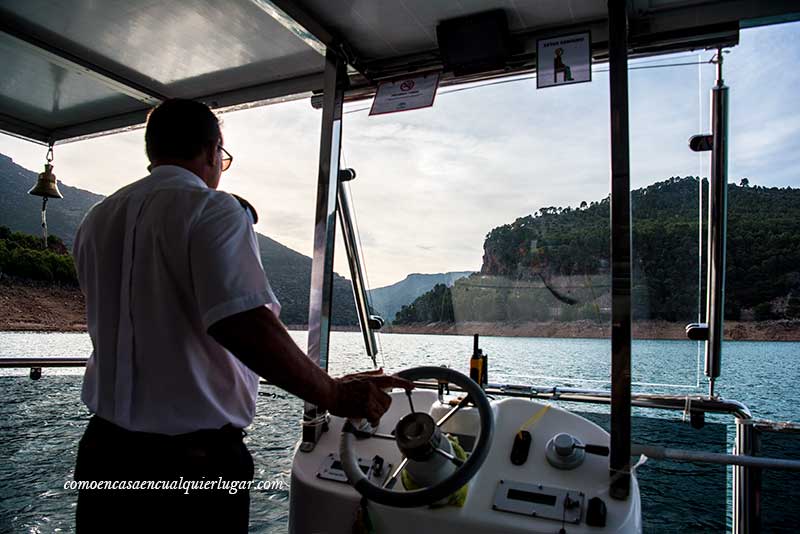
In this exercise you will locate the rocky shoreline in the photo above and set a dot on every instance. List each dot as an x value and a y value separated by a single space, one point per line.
47 308
41 308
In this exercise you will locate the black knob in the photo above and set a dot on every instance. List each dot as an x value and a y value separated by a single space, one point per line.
521 447
345 175
596 512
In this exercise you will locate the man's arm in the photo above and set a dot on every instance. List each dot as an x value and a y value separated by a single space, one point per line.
261 342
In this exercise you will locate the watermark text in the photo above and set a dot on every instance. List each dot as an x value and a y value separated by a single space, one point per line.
231 486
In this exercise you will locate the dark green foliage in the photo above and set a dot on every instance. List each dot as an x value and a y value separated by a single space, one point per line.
433 307
22 256
763 261
530 263
793 307
763 312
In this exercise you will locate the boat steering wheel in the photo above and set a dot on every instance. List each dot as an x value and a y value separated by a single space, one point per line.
417 435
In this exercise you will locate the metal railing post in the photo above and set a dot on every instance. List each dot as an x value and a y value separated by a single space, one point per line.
746 481
717 222
319 308
619 461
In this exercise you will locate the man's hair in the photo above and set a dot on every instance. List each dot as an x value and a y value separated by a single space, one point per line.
179 129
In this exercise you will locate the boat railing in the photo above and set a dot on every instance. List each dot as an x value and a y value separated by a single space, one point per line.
746 464
39 363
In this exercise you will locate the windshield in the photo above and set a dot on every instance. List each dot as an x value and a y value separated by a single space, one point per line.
474 225
488 214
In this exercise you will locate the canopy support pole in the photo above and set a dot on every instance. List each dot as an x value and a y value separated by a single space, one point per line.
619 461
319 309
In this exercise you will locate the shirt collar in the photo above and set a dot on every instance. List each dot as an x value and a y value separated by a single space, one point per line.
176 171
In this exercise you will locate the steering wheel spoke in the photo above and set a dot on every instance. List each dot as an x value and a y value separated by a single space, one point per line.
410 400
446 417
458 462
399 469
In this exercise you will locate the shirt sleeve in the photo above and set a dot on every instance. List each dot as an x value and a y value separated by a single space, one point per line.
227 274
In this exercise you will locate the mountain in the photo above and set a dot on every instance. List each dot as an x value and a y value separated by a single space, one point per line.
554 264
21 211
289 275
289 271
388 300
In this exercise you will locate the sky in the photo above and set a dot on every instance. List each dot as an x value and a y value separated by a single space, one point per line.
432 183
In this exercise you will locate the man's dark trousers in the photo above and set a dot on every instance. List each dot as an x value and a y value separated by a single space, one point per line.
108 452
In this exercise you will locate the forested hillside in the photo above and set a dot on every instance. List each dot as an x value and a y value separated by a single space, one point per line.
289 271
554 263
387 301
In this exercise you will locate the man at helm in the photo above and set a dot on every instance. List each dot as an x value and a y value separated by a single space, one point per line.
183 322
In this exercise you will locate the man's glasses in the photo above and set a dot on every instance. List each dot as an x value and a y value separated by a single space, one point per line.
227 159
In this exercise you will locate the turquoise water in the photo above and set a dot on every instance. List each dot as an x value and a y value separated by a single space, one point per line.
42 421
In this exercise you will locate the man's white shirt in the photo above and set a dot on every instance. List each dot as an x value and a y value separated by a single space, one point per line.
159 262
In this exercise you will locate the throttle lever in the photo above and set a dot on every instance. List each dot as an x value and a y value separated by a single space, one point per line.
599 450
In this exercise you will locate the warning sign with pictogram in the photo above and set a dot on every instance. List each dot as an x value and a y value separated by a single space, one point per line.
405 94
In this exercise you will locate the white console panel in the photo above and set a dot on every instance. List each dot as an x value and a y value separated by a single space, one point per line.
321 506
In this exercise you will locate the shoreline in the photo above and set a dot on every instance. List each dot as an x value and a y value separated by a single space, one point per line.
46 308
780 330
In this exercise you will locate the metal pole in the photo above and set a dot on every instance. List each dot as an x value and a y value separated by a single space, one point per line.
738 460
13 363
319 309
717 222
746 482
355 260
619 460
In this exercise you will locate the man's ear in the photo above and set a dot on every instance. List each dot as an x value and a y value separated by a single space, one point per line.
211 154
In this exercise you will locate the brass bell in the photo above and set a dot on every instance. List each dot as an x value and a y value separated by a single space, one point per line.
46 185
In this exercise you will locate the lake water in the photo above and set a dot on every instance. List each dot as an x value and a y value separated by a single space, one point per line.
42 421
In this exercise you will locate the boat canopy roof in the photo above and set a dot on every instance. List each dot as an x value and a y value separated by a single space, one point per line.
81 68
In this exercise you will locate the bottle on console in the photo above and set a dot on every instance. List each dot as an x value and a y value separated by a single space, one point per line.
478 364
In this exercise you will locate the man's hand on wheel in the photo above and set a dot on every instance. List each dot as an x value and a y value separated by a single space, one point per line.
361 395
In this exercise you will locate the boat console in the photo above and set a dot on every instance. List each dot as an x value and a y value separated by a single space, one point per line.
527 466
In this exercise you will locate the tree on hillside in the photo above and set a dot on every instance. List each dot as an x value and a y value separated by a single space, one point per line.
793 307
22 257
435 306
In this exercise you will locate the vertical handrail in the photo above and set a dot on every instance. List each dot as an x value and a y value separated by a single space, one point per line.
319 308
356 261
746 481
619 461
717 222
